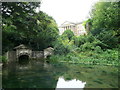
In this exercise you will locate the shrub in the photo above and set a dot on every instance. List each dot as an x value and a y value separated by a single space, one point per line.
98 49
61 49
87 46
90 38
76 41
82 40
68 34
3 59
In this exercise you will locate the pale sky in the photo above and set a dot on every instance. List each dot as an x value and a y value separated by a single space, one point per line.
67 10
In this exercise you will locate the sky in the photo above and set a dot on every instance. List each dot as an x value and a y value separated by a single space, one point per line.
67 10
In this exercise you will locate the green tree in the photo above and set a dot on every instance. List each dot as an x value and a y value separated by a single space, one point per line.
18 23
68 34
105 22
22 25
47 31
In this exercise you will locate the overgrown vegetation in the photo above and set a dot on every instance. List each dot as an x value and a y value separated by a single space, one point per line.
101 44
84 49
22 25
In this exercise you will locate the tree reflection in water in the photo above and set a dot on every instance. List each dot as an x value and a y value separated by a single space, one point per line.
37 74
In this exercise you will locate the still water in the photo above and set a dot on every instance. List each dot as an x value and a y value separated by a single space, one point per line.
36 74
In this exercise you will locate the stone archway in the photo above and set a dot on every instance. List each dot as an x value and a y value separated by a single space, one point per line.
23 59
22 51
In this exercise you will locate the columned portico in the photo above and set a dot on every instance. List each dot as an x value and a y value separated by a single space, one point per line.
77 28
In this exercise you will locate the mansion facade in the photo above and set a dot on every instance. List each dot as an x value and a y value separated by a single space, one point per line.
77 28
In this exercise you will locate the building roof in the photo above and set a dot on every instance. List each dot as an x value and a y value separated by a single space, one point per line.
21 46
79 23
69 23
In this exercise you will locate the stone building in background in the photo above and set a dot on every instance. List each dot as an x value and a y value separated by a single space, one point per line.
77 28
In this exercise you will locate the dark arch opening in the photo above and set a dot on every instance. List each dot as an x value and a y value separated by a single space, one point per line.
48 56
23 59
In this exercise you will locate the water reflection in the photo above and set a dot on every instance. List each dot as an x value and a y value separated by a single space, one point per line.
37 74
70 84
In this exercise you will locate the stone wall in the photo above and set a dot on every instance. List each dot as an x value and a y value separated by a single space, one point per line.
48 52
11 56
20 52
14 56
37 54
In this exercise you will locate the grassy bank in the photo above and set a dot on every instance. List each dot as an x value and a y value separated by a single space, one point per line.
87 49
108 57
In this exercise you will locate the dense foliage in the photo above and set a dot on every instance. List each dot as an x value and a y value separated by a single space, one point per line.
84 49
63 43
100 45
22 25
105 19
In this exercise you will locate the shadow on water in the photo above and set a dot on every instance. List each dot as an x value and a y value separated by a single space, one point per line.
23 60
